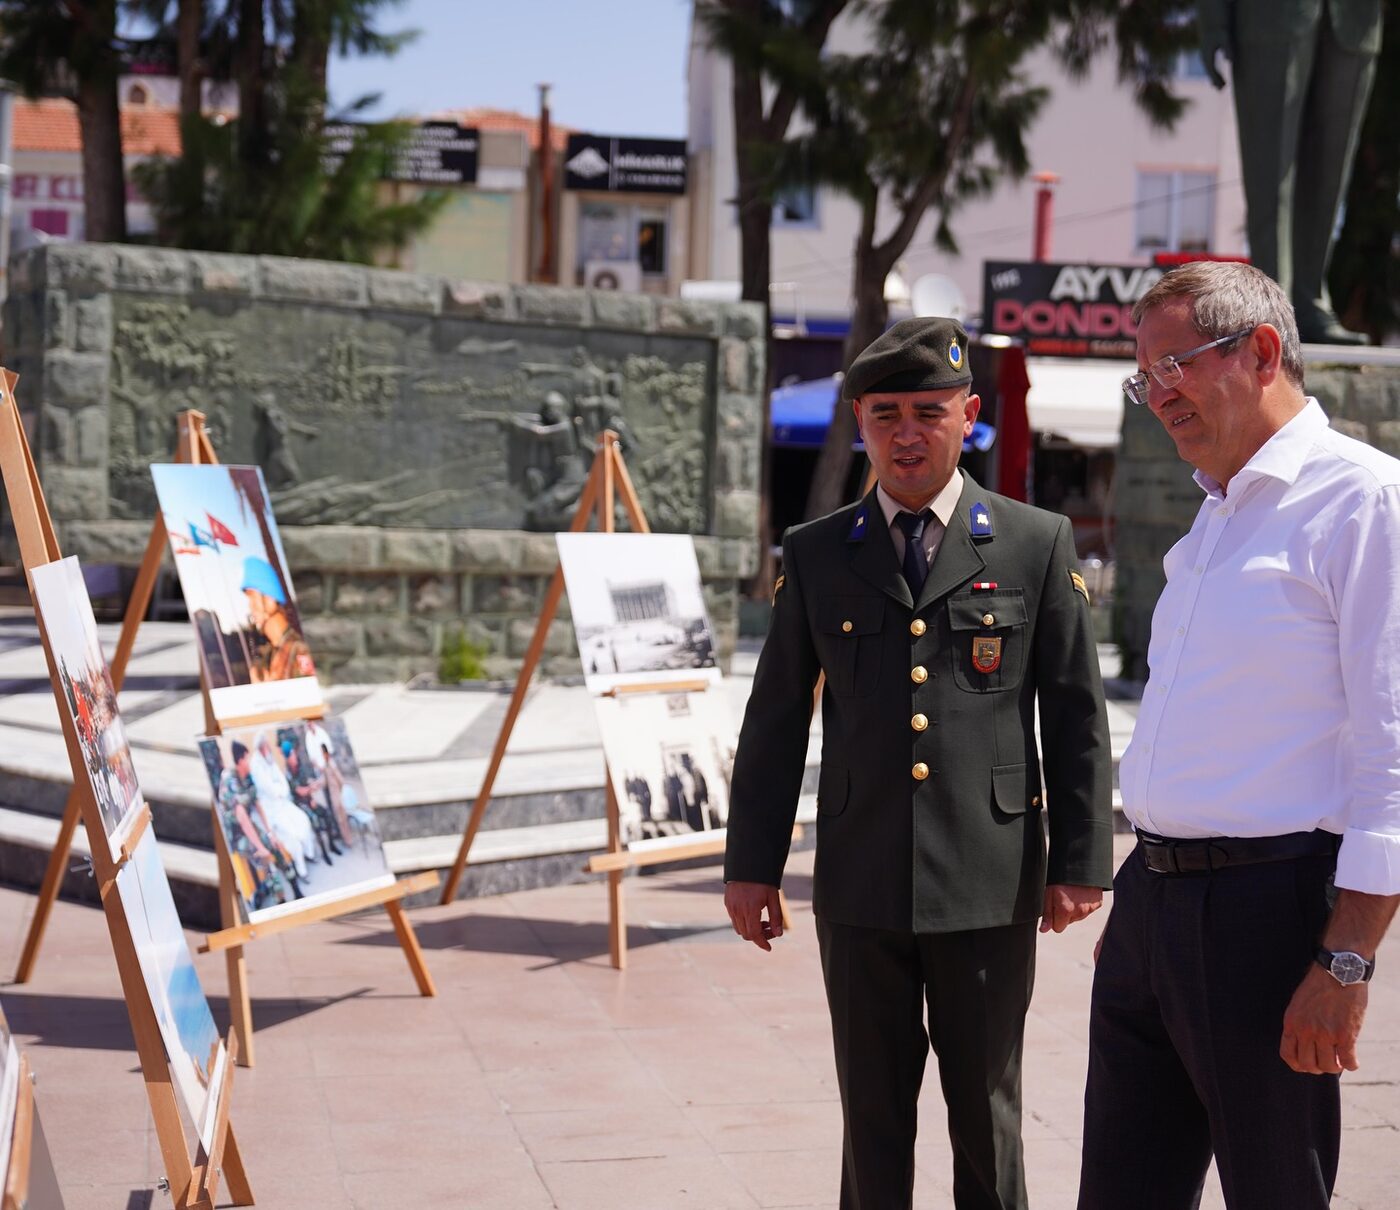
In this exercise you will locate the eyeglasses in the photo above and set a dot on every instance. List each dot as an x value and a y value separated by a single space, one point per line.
1167 370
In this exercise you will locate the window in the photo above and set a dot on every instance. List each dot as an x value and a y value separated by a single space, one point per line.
620 231
795 206
1175 211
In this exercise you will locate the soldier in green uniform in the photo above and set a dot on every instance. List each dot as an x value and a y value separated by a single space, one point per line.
939 613
249 835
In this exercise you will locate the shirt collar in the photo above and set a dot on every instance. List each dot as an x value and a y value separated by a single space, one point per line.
1281 456
944 504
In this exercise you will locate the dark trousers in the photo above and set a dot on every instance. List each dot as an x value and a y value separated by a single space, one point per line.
1184 1031
977 988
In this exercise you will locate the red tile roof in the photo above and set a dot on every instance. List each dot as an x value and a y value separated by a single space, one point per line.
52 125
486 118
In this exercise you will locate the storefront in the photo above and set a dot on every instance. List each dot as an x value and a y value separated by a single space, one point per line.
625 214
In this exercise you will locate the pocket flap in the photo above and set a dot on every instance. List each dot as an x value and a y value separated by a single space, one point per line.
1009 788
966 613
850 615
832 791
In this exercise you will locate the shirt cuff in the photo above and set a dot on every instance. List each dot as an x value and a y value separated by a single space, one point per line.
1369 862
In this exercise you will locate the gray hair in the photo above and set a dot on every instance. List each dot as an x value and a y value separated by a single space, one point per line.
1227 296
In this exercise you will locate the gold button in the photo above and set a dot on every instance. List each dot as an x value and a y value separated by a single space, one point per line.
1035 802
847 627
917 627
919 722
919 674
987 619
920 771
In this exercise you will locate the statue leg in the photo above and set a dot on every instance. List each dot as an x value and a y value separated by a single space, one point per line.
1269 78
1331 128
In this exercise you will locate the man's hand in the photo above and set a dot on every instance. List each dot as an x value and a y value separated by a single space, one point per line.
1064 905
1213 20
1322 1023
746 903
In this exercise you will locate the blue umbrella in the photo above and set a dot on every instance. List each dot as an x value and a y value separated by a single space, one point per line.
801 414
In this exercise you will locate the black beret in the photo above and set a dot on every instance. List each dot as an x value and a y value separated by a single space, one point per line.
922 354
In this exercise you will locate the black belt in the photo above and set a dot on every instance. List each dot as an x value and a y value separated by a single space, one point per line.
1163 855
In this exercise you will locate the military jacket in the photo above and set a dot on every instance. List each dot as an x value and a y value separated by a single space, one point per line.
931 812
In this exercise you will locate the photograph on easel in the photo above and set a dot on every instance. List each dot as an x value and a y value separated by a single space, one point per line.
9 1096
294 814
237 589
61 598
198 1059
638 608
670 756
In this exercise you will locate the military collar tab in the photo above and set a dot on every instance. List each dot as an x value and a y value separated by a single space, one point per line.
860 524
979 521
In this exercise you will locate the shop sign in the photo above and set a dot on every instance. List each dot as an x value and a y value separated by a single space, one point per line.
1064 309
434 153
625 165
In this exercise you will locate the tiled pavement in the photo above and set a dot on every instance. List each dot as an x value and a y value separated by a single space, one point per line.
539 1077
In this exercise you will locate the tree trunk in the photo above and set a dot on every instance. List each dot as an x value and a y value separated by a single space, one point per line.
311 51
104 178
188 25
869 315
250 65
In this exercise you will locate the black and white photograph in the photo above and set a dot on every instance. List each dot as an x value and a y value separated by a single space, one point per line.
638 609
295 815
670 756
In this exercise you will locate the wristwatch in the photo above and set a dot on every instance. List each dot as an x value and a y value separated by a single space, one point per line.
1345 966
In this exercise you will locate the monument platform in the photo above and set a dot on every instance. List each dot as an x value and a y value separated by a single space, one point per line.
423 753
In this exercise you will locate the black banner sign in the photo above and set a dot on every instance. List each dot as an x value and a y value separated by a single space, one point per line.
435 153
1063 309
616 165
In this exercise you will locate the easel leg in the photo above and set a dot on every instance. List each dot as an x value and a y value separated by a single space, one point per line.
783 910
240 1005
411 949
617 921
235 1178
48 892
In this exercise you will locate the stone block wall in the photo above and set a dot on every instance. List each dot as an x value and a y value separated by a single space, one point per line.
344 382
1156 499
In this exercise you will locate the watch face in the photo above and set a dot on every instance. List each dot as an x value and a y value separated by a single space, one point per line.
1348 967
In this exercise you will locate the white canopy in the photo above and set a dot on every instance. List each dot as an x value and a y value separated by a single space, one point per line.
1079 400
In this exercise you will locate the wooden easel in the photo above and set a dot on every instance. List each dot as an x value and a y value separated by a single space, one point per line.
607 479
194 447
194 1180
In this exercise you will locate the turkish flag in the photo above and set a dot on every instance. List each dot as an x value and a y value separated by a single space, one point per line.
221 532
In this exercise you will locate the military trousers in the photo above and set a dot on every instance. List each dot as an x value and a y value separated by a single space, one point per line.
891 995
1185 1023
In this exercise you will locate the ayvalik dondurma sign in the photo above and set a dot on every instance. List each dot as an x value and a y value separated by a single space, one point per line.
1065 310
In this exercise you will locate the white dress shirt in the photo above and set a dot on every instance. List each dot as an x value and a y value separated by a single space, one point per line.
1273 703
942 505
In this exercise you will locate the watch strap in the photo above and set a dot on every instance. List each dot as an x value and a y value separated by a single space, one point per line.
1324 958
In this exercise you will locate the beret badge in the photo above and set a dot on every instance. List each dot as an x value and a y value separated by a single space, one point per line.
955 356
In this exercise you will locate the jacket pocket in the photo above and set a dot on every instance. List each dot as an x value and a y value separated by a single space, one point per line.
848 640
1009 789
833 789
988 656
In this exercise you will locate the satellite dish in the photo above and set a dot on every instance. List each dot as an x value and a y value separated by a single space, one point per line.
936 294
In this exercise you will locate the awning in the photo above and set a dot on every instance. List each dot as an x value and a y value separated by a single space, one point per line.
1079 400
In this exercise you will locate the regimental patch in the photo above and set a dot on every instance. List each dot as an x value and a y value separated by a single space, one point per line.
778 587
979 521
1079 586
986 653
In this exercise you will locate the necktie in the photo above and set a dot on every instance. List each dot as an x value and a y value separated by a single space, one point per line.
915 558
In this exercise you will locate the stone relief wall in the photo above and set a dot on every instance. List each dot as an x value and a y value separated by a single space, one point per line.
1156 499
403 421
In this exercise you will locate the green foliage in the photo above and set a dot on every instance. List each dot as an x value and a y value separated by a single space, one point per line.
213 199
461 659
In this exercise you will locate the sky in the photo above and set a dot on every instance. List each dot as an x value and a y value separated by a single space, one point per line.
616 66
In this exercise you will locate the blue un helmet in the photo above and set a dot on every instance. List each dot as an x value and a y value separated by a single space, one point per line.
259 577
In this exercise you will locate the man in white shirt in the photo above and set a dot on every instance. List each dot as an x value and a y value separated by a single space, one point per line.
1261 779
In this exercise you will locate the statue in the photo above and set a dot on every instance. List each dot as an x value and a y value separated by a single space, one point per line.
1302 72
559 463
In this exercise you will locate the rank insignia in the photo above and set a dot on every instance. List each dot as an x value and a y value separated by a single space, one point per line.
857 533
778 587
980 521
986 653
1079 586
